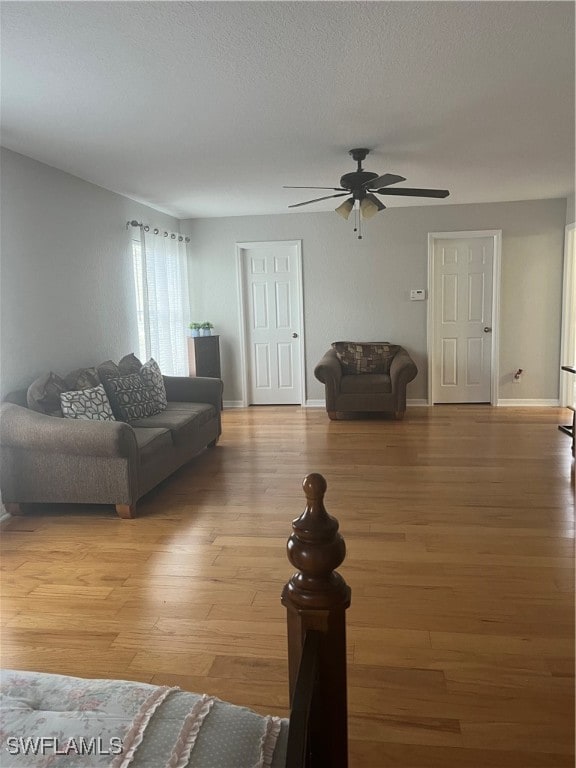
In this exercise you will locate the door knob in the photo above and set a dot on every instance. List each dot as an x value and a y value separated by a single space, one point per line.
487 330
294 335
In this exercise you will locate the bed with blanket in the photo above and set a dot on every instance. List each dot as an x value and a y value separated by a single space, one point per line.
70 721
54 721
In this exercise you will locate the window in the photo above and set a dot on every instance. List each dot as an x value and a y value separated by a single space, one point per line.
161 282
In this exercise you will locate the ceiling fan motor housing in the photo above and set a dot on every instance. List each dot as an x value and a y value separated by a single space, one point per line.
357 182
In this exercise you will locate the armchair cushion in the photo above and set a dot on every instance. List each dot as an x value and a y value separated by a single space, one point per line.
365 357
369 383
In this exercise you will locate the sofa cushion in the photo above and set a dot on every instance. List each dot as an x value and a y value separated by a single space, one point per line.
179 418
43 394
82 378
87 404
108 369
152 441
131 397
358 357
129 364
369 383
152 377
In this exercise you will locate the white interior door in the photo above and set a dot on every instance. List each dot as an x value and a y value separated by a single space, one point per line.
272 319
462 326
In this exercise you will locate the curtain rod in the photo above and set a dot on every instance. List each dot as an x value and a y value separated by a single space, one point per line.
156 231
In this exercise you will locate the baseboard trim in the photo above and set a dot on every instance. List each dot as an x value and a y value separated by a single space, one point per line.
416 402
423 403
529 403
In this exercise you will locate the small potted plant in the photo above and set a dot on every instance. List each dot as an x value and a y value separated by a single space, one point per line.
206 329
194 329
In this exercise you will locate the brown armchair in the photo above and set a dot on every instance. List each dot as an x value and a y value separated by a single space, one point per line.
365 377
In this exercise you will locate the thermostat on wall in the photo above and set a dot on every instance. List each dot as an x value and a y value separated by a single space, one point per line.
417 294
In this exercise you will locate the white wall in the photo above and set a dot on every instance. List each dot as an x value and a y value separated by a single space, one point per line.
360 289
571 209
67 292
67 296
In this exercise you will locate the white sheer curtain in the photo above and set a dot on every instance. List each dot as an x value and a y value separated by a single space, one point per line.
161 276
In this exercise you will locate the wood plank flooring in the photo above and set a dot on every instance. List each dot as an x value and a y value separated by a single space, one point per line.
459 524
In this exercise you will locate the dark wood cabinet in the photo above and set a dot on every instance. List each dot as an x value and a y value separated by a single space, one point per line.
570 429
204 356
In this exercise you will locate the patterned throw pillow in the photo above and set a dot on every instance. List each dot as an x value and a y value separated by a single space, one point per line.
87 405
43 395
131 397
365 357
152 377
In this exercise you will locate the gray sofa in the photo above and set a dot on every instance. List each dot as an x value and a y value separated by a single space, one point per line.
46 459
369 380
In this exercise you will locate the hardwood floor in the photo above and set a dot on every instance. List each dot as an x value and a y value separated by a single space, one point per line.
459 524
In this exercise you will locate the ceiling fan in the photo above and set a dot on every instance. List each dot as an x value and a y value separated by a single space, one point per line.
363 186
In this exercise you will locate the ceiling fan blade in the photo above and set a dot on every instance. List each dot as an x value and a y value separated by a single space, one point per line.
317 200
383 181
408 192
336 189
378 203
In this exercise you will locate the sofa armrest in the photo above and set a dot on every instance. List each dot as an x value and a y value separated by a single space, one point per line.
329 369
402 370
26 429
198 389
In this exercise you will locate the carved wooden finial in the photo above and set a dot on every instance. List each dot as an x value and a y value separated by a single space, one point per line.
316 599
314 486
316 549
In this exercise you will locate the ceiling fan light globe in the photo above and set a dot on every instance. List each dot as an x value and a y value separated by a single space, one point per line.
345 208
368 208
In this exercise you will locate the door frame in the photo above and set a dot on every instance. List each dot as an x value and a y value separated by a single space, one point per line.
568 314
243 313
496 235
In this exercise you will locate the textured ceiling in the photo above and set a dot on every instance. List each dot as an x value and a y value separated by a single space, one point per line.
208 108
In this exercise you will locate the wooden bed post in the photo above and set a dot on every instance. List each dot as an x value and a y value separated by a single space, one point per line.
316 598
